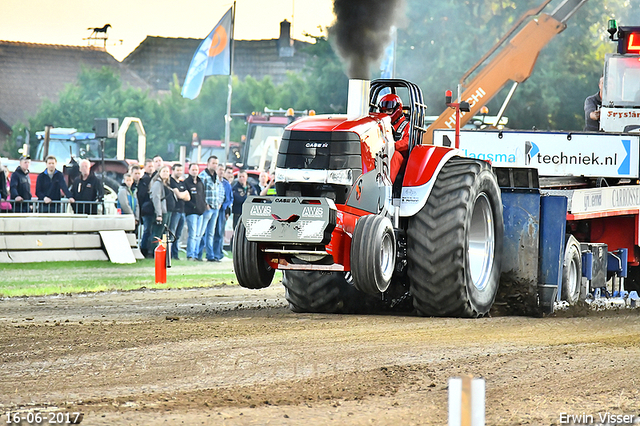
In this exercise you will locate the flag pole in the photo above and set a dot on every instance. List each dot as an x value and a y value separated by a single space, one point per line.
227 117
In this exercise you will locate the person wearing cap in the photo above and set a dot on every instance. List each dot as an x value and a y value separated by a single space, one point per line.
48 187
20 186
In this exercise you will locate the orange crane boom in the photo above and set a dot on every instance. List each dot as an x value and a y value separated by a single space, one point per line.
513 63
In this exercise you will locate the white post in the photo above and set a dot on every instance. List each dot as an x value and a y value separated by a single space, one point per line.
183 154
358 98
466 401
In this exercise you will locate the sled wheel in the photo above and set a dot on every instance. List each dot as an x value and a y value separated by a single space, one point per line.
571 270
454 244
373 254
250 267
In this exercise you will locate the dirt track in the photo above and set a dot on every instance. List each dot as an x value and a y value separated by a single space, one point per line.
231 356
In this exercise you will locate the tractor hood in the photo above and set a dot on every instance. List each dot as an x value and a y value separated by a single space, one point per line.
341 123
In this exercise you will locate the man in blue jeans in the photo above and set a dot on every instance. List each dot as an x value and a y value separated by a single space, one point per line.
214 196
193 209
177 216
146 208
224 174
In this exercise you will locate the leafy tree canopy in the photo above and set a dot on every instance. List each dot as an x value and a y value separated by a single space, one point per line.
441 40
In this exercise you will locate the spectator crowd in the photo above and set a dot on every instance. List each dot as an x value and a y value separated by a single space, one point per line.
202 201
83 191
163 199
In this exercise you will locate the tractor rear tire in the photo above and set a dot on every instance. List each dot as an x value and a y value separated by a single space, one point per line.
373 254
571 271
454 244
322 292
251 269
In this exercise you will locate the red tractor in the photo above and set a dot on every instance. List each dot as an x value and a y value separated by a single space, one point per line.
342 231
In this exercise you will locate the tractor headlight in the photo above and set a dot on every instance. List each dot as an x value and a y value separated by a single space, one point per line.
340 177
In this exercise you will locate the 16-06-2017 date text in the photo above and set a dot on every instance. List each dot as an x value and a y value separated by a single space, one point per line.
38 418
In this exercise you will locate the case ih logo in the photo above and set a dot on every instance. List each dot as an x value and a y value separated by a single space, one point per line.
317 144
312 212
260 210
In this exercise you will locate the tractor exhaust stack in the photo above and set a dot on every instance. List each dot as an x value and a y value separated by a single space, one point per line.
358 98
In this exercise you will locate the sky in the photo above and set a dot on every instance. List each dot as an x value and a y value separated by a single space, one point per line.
66 21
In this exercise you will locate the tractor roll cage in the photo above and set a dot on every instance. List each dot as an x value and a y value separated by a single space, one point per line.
417 108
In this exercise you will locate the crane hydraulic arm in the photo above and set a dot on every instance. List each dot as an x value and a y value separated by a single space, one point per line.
513 63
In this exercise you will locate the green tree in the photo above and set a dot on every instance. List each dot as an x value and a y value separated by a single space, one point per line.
205 114
97 94
324 79
442 40
171 120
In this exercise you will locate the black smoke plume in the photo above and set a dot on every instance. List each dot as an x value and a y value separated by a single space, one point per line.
362 32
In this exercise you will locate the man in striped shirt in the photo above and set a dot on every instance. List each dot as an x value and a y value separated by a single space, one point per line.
214 196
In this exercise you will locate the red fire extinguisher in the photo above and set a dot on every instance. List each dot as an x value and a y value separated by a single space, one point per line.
160 254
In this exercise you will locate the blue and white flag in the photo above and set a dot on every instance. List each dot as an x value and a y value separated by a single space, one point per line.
213 57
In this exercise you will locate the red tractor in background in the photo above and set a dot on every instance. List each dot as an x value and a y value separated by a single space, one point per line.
341 230
259 148
264 132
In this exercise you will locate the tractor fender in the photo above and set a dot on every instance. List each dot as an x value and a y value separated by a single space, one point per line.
423 166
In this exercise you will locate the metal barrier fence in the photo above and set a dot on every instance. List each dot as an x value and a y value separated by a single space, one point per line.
35 231
108 207
66 237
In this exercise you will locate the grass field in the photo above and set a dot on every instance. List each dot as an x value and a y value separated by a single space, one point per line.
47 278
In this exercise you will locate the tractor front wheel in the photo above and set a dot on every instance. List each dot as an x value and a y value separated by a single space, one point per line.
250 267
454 244
373 254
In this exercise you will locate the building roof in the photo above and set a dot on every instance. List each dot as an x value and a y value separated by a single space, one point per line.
157 59
30 73
259 58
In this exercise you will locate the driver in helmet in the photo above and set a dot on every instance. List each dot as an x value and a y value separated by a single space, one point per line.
391 104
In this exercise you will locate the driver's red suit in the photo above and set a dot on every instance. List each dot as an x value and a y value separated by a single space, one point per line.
401 137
